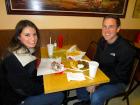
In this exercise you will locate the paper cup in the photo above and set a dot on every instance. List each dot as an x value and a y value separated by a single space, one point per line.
50 50
93 66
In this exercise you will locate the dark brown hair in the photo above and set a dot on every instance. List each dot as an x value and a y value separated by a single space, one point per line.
15 43
114 17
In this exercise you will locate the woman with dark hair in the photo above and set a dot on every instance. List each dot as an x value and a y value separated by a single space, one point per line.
19 62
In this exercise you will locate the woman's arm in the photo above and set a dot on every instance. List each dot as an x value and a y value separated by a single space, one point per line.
21 77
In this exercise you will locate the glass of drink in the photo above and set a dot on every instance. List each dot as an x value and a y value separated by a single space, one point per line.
93 66
50 50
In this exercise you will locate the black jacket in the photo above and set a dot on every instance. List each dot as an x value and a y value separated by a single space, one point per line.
21 81
24 78
116 59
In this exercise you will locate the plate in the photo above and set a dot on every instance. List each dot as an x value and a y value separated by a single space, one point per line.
57 67
80 64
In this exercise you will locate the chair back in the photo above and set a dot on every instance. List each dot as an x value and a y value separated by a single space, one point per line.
126 92
134 68
91 50
1 83
137 73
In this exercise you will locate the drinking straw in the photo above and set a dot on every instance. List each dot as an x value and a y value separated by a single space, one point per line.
50 40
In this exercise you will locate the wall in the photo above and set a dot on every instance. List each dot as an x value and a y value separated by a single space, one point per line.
65 22
80 37
75 29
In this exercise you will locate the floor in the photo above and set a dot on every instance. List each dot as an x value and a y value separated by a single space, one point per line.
134 99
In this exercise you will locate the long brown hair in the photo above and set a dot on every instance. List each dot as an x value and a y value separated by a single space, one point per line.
15 43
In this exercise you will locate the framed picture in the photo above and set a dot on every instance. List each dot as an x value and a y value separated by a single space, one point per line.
67 7
136 13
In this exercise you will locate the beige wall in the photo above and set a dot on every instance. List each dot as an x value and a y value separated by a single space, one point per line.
65 22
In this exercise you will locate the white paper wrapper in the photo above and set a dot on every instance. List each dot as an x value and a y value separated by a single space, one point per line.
45 66
73 53
72 48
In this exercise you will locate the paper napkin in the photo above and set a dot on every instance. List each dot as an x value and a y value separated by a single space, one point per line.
75 76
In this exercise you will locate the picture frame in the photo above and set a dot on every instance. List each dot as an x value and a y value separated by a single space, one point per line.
136 12
95 8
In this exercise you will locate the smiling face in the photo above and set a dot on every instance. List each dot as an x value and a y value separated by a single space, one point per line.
110 30
28 37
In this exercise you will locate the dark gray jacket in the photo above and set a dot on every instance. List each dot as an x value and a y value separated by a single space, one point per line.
116 59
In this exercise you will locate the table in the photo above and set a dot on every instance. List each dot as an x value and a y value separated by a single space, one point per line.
59 82
137 45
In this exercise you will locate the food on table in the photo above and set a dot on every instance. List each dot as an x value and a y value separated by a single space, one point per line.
79 64
83 64
56 66
73 64
74 53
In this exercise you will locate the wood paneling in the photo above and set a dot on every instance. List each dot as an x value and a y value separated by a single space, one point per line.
80 37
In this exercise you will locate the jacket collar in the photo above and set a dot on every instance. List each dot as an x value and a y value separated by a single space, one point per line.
24 56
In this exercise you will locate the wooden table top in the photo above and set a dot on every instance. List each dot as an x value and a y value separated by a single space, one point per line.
137 45
59 82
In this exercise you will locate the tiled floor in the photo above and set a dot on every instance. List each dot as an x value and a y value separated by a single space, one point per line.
134 99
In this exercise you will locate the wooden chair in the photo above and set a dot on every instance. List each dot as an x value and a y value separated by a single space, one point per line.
124 94
91 50
135 82
1 83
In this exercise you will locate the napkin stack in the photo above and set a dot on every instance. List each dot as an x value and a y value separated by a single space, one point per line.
75 76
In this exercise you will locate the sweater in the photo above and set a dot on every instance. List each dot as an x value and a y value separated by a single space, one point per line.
115 59
23 79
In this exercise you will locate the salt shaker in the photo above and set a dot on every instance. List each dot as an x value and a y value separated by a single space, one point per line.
55 44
